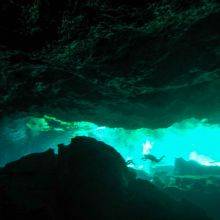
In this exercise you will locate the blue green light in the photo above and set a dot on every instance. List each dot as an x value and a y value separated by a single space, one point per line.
179 140
189 139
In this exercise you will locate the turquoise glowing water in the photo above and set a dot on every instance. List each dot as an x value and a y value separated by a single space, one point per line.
184 139
179 140
190 139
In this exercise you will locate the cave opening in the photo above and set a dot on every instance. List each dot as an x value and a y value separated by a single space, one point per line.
191 139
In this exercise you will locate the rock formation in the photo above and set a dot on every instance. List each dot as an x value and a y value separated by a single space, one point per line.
156 62
86 180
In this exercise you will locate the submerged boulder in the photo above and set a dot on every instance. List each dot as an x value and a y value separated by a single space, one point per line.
86 180
183 167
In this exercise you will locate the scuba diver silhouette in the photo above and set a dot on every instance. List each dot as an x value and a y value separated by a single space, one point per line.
152 158
129 162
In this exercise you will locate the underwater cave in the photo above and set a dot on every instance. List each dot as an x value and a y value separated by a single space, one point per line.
191 139
110 109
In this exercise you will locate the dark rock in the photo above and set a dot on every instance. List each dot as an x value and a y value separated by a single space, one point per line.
87 180
183 167
156 62
203 191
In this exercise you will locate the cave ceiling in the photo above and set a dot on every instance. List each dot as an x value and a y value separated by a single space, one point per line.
118 63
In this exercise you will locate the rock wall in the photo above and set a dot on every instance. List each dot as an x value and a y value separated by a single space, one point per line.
154 62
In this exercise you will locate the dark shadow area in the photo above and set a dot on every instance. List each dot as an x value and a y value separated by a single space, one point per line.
86 180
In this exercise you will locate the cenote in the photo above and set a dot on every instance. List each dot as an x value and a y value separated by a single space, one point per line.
110 109
191 139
